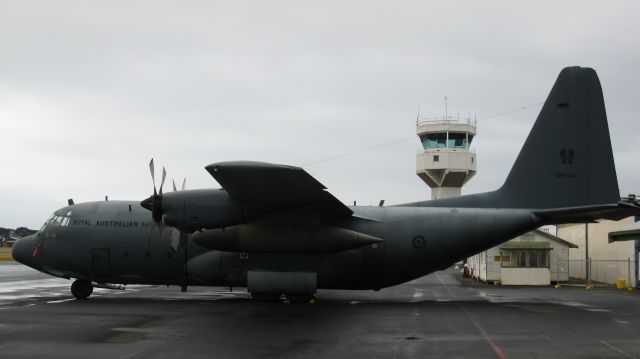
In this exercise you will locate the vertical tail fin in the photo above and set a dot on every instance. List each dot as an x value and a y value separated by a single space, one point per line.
567 159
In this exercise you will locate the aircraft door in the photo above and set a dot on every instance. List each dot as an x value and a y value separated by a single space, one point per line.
100 262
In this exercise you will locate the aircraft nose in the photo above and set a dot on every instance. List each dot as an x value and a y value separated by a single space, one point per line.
22 251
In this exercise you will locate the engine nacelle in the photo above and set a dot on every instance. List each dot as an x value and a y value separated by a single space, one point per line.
253 237
207 208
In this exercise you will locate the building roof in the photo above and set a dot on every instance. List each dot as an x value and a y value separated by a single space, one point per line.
537 245
526 245
555 238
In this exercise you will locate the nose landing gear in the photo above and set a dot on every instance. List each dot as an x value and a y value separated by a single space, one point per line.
81 289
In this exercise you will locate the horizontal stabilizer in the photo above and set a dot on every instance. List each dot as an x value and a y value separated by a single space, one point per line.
585 214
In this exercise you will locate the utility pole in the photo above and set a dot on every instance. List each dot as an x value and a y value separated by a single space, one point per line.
587 263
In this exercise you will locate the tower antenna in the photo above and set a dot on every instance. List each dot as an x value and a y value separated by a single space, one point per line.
446 112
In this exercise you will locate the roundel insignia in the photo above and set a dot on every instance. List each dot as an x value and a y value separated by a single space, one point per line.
419 242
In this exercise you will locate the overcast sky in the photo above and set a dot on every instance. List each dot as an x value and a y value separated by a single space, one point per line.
91 90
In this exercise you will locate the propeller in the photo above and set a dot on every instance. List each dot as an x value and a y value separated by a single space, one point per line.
177 239
184 185
154 203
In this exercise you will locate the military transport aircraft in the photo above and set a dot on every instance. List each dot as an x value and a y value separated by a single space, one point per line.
275 230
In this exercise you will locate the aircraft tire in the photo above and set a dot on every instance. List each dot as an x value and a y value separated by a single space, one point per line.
81 289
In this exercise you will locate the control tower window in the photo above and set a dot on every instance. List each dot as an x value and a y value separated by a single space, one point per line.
457 140
434 140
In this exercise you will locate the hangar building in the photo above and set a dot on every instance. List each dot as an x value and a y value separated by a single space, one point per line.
614 250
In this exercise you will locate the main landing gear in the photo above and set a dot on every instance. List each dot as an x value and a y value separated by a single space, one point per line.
81 289
286 298
309 298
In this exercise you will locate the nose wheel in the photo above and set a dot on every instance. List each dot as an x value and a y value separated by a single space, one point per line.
81 289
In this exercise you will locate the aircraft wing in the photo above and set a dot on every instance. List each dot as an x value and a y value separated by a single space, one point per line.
276 185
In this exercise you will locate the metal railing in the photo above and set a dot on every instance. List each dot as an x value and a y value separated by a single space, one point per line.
447 119
431 150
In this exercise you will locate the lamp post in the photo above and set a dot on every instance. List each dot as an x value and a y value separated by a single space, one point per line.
586 256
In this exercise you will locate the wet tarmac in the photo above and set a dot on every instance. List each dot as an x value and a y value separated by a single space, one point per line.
439 316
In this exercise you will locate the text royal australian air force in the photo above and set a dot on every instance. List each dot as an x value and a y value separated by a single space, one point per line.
110 223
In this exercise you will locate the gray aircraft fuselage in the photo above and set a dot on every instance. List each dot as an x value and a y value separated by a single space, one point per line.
274 228
105 242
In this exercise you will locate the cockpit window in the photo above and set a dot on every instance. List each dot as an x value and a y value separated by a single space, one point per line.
58 220
47 222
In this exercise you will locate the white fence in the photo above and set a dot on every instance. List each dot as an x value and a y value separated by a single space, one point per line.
599 271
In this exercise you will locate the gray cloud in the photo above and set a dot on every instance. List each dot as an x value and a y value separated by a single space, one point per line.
89 91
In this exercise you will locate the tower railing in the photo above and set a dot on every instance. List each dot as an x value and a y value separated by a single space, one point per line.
447 119
422 150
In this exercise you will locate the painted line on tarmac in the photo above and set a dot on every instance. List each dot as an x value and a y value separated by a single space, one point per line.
20 285
480 329
616 349
60 301
17 306
582 306
597 310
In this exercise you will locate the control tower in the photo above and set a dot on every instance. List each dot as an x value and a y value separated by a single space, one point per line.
446 162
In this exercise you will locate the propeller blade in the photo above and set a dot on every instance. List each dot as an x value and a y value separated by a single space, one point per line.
174 185
176 240
164 176
151 230
184 184
162 228
153 175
